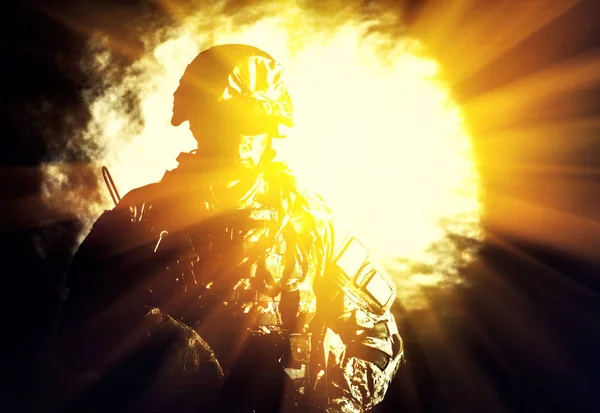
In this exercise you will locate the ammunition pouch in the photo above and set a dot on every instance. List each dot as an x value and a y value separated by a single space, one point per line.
370 287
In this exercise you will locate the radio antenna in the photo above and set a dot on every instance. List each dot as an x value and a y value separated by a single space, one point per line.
110 184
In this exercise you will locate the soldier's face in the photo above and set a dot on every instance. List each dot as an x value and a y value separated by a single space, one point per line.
223 135
226 144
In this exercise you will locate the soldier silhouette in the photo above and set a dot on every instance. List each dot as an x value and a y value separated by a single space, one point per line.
225 286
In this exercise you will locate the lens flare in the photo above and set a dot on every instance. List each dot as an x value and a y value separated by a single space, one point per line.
377 133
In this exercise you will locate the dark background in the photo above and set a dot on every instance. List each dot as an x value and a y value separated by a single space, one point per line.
522 335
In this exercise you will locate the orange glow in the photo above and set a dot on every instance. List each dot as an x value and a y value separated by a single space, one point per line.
377 133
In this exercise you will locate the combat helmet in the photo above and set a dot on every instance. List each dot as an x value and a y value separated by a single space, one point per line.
234 85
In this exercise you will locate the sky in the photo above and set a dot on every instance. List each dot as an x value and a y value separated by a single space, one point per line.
520 334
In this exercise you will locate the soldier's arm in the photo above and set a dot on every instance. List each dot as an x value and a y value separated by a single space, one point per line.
117 241
103 282
357 349
361 344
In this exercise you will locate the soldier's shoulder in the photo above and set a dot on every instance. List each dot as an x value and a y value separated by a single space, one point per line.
141 195
114 219
283 175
